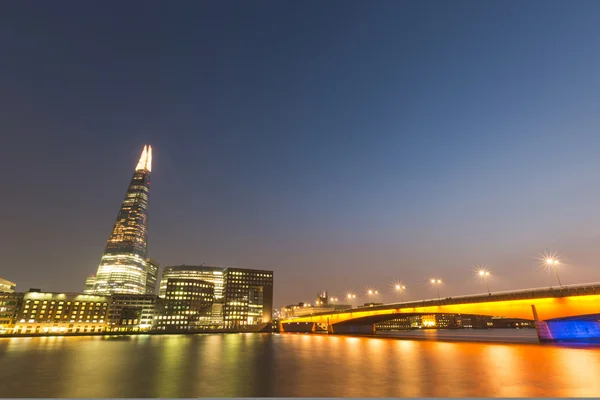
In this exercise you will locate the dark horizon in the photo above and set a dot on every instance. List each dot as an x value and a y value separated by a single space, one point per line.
340 145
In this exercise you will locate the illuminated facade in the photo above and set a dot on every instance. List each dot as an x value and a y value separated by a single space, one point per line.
10 303
7 286
187 305
151 276
248 297
123 267
45 312
90 282
132 312
213 275
241 296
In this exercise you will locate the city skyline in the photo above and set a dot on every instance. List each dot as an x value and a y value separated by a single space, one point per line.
337 147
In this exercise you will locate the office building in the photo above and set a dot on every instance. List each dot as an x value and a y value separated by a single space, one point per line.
248 297
132 312
205 273
241 296
187 305
123 267
10 303
151 276
90 282
7 286
45 312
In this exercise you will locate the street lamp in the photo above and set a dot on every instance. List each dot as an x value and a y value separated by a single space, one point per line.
437 282
552 262
484 274
399 288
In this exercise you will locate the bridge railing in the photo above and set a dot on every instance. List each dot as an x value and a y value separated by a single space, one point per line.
521 294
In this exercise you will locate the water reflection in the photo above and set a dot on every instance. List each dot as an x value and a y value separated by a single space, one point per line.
261 365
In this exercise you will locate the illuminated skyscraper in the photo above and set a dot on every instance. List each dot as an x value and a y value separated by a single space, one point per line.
124 266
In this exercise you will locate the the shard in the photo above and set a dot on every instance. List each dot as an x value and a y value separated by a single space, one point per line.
124 264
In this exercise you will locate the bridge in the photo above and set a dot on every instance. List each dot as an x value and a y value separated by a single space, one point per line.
567 313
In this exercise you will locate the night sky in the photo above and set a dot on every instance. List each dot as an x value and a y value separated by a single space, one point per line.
341 144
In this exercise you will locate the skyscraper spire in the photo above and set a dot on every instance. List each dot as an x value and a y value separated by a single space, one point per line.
145 159
123 267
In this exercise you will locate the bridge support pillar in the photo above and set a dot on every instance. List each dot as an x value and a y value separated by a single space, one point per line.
280 327
567 329
541 327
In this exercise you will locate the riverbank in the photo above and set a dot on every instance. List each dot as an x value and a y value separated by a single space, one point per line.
151 333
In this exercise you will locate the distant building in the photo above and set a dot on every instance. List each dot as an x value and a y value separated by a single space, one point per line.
303 309
10 303
502 323
187 303
132 312
45 312
370 305
90 281
123 267
151 276
7 286
248 297
476 322
399 324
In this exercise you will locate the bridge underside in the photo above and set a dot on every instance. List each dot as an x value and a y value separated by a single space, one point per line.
558 318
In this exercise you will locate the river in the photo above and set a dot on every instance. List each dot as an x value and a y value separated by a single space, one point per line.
257 365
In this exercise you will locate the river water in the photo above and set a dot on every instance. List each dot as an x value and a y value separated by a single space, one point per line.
250 364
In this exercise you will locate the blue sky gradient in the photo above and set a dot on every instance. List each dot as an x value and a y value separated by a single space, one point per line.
342 144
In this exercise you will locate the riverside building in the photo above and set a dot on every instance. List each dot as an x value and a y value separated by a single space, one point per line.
10 304
241 296
187 305
46 312
205 273
7 286
132 312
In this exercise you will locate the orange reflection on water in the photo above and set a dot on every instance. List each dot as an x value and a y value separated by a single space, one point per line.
291 365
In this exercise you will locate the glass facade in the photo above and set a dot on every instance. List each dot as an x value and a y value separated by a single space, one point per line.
241 296
10 304
90 282
185 306
248 297
213 275
132 312
123 267
7 286
151 276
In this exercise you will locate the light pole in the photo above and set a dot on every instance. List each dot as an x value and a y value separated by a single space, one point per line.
351 297
483 274
437 283
400 289
552 262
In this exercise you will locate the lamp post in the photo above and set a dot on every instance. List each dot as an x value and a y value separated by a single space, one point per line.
483 274
552 262
437 283
350 297
399 288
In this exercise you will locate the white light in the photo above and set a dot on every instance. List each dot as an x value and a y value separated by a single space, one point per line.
145 159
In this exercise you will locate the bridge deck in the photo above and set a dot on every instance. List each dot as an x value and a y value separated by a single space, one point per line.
538 293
